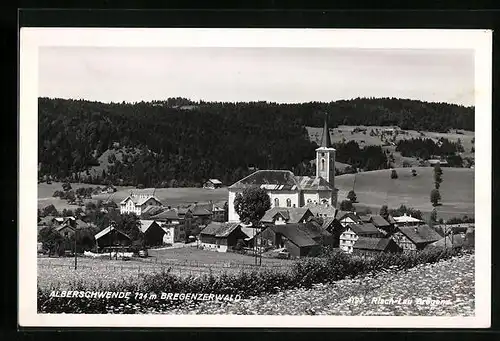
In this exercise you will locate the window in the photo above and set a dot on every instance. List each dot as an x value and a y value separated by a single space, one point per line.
288 202
276 202
322 164
322 154
309 201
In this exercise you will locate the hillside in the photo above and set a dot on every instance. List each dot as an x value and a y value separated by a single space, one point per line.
209 140
451 282
376 188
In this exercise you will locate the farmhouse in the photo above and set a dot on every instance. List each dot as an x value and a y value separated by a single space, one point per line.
278 215
347 218
448 242
108 189
136 203
370 246
414 238
299 239
221 236
288 190
333 226
212 184
352 232
110 236
218 212
153 233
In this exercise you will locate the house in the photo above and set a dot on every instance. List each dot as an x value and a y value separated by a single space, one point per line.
212 184
136 202
170 216
174 233
219 212
414 238
333 226
434 162
66 230
371 246
110 237
221 237
379 222
202 213
153 233
279 215
407 220
346 218
300 240
108 189
352 232
288 190
321 210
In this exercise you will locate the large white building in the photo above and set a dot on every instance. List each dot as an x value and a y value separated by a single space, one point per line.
288 190
138 201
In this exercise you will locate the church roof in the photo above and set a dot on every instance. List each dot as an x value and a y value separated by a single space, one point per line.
268 179
325 139
313 183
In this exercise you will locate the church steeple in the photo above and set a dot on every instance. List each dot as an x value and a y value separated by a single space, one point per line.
325 139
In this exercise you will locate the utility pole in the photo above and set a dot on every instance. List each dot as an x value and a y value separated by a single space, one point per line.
74 236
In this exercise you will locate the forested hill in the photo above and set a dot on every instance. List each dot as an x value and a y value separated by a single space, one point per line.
185 142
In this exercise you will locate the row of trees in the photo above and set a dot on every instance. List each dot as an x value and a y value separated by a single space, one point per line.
426 148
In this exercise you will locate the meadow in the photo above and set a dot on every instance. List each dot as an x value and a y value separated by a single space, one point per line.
182 262
376 188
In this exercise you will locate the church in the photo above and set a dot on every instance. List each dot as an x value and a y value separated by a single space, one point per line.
288 190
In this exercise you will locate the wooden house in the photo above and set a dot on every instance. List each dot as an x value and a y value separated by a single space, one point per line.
110 237
352 232
372 246
153 233
415 238
221 237
212 184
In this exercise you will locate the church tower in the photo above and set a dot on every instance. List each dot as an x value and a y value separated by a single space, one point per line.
325 157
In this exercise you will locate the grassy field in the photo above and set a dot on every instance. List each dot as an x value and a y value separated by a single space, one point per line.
168 196
189 261
452 282
376 188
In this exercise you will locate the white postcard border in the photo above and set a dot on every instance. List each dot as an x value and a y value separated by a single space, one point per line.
31 39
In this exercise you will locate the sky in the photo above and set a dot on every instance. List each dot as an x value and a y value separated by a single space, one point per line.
283 75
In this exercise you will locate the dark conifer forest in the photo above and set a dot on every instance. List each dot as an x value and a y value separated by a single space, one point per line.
178 142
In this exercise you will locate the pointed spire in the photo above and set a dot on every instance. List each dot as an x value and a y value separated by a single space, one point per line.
325 139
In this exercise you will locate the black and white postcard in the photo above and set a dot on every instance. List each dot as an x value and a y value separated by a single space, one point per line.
255 178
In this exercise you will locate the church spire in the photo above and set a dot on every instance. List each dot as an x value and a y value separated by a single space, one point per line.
325 139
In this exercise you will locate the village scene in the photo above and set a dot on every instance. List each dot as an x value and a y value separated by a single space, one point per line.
393 200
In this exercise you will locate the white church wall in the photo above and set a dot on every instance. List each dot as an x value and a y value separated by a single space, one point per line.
282 197
232 215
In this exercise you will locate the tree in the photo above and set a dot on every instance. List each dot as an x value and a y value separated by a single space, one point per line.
435 197
394 174
433 217
346 205
51 240
384 212
352 196
252 204
438 179
413 172
50 210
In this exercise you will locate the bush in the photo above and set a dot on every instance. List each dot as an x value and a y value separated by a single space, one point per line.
394 174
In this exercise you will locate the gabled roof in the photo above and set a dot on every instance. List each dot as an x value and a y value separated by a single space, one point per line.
146 224
420 234
215 181
379 221
290 214
327 222
341 215
221 230
322 209
314 183
108 230
171 214
63 226
376 244
406 219
139 200
365 218
152 210
201 210
268 179
295 234
363 229
313 230
249 231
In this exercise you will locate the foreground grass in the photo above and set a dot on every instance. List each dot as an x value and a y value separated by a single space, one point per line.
331 267
451 281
